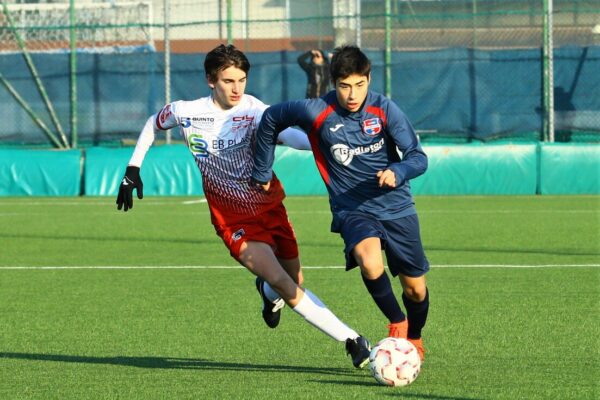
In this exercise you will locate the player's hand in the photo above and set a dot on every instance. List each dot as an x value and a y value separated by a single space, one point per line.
266 186
317 57
263 185
130 181
387 178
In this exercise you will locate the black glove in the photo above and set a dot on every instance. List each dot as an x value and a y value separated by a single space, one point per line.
130 181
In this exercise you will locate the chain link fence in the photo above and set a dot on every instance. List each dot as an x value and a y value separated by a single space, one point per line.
462 70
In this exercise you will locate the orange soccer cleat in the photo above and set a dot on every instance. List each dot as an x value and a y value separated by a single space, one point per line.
418 343
398 329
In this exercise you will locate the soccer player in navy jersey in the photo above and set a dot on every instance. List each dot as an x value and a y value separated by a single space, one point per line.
366 152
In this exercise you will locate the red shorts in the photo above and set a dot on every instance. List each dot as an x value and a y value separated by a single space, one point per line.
271 227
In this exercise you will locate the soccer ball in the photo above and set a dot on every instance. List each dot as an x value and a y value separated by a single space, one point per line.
394 362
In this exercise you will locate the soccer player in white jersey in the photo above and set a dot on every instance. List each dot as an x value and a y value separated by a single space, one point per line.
219 131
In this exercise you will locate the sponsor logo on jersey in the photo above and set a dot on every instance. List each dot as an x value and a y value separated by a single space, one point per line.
237 235
371 126
243 118
241 122
198 146
222 144
336 127
198 122
344 154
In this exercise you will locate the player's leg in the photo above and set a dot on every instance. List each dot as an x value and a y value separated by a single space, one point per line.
362 236
282 233
367 254
236 237
272 301
406 258
416 300
293 268
276 230
286 250
259 258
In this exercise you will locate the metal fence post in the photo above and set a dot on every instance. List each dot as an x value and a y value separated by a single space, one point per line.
167 29
548 74
388 48
73 73
229 23
358 24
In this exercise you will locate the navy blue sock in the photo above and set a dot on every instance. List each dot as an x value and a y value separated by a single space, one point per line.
381 291
417 315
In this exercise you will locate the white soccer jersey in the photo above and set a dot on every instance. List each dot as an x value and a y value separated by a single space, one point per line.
222 143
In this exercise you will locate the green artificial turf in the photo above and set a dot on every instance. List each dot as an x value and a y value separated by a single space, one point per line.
515 296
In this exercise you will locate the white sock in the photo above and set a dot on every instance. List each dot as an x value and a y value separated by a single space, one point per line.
317 314
271 294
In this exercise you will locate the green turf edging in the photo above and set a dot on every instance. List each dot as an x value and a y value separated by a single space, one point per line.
40 172
570 168
478 170
168 170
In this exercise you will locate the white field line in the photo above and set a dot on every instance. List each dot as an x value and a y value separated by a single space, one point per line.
471 211
110 202
156 267
194 201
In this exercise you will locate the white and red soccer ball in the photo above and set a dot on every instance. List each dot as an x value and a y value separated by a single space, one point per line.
394 362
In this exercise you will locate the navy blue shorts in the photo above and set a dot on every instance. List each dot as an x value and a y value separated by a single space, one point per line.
400 239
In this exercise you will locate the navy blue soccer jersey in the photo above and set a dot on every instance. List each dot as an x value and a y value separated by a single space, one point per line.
349 149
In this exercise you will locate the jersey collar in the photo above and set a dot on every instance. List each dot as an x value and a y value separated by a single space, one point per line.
349 114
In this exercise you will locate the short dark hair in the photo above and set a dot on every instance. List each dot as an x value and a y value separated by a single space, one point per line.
223 57
349 60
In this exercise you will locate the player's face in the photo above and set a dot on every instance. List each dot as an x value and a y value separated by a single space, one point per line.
352 91
228 88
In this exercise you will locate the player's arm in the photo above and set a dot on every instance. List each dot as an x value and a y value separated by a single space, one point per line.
414 160
294 138
274 120
304 60
132 179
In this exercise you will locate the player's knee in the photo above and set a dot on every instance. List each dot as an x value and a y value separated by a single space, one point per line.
416 293
368 256
371 269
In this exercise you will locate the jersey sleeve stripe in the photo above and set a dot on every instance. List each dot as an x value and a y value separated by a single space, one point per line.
157 121
378 111
313 137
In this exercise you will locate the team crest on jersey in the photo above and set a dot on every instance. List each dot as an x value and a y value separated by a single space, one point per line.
371 126
237 235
